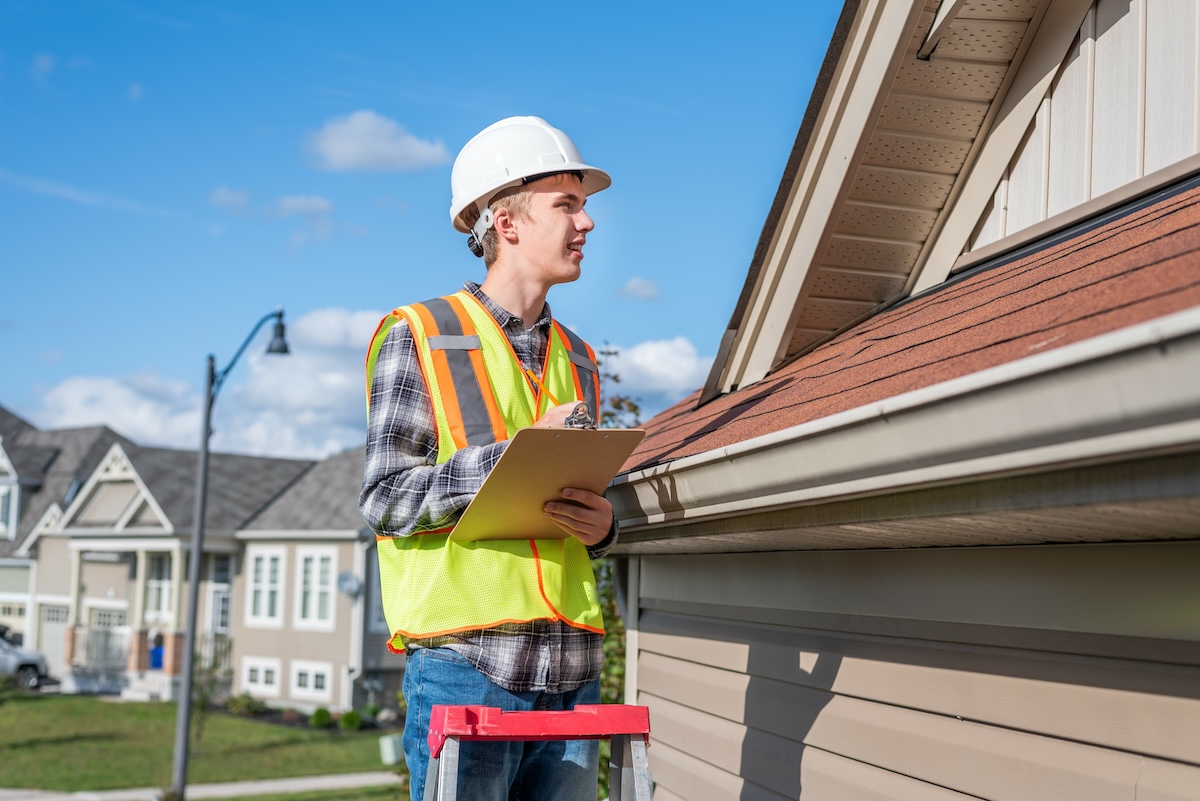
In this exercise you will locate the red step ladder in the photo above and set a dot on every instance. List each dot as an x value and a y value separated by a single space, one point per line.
627 727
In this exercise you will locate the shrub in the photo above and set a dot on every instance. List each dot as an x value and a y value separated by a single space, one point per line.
320 719
350 721
246 705
372 710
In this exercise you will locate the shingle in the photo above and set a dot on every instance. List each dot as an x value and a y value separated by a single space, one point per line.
1143 265
324 499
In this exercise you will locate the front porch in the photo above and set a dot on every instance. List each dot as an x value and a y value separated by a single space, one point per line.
143 665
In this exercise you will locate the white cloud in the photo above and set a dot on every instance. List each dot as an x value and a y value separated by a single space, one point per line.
44 186
135 92
640 288
237 200
657 372
307 205
365 140
43 65
308 404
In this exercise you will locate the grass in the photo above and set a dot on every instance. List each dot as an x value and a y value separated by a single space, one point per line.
73 743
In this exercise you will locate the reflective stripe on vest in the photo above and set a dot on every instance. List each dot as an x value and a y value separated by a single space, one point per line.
481 395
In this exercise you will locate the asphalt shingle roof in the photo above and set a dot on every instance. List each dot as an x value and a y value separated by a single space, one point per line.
323 499
1132 269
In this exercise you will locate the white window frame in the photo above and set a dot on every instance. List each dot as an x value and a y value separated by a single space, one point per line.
311 621
8 504
266 553
220 595
254 674
310 670
160 589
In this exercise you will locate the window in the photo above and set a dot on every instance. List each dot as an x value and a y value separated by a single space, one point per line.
310 680
219 598
315 569
108 618
264 587
260 676
158 587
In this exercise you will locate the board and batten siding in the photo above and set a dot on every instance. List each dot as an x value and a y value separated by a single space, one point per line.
1042 673
1125 104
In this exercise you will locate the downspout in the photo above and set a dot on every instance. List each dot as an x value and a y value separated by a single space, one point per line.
354 662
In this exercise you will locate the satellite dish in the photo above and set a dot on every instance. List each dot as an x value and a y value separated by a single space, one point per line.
349 584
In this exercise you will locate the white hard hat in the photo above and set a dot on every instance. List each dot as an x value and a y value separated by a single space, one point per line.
506 153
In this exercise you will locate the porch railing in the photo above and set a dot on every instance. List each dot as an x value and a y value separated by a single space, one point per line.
101 648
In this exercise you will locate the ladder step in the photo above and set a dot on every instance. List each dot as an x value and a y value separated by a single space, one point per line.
584 722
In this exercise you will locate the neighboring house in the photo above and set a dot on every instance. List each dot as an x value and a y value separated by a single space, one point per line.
102 553
932 529
40 473
308 628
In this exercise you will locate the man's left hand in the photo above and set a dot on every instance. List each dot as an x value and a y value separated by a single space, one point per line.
584 515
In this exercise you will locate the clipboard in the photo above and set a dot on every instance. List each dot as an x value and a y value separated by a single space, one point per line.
535 467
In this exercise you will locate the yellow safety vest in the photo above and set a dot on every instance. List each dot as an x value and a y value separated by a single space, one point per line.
482 394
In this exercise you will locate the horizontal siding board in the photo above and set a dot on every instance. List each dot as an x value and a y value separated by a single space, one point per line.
967 757
1168 781
787 676
829 777
685 776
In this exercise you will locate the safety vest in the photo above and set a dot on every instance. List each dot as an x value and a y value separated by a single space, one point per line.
482 394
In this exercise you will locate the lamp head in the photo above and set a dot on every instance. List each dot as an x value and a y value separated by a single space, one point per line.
278 342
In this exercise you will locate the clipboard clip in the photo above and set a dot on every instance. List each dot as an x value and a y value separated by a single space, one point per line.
580 417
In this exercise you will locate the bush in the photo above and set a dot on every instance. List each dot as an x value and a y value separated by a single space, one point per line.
350 721
373 710
320 719
246 705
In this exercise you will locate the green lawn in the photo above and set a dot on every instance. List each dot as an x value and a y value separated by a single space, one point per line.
72 743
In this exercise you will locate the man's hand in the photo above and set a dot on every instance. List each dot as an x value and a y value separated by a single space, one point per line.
555 416
584 515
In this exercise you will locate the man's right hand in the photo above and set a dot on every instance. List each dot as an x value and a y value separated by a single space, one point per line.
556 416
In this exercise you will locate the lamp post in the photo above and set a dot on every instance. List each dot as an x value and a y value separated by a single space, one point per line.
183 718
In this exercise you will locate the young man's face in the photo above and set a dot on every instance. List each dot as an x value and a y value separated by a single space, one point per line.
553 236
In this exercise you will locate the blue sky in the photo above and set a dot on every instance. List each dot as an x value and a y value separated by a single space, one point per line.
169 173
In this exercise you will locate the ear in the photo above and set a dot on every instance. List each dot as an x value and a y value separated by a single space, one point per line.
505 224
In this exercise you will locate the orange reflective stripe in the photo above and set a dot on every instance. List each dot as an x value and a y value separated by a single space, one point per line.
584 370
443 375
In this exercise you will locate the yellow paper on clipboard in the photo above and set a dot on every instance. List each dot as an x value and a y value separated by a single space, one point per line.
535 468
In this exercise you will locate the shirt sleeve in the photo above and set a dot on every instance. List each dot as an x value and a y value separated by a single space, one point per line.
404 490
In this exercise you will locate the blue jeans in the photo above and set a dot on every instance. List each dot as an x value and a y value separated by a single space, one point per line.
556 770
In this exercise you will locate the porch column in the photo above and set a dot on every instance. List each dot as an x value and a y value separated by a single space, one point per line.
76 605
139 654
173 642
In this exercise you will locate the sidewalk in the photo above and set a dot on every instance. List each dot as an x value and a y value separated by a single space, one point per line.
300 784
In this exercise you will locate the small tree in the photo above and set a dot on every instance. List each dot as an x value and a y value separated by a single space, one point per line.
208 679
617 410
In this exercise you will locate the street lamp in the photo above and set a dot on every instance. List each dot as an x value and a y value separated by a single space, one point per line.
183 718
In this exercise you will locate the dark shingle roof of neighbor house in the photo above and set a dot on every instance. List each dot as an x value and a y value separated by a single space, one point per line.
324 499
238 486
1129 270
59 458
12 426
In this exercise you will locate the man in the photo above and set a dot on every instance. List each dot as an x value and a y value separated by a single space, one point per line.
449 382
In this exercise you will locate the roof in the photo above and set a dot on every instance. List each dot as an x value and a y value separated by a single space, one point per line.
12 426
238 486
60 458
1134 268
323 499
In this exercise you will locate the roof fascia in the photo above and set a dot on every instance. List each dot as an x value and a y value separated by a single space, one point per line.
1047 49
252 535
880 37
1119 395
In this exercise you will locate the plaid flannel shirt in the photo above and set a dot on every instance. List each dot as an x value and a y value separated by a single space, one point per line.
405 491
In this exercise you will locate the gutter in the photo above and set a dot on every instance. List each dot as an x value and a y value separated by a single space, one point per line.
1131 392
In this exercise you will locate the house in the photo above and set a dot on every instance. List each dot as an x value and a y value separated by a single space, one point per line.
932 528
100 560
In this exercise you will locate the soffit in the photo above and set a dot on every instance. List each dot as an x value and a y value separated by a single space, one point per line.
925 132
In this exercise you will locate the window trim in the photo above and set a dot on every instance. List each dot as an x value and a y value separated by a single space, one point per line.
316 552
296 666
266 552
262 663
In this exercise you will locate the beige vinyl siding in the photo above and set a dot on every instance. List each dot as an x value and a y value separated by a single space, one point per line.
14 578
54 567
107 504
108 581
1124 105
929 674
